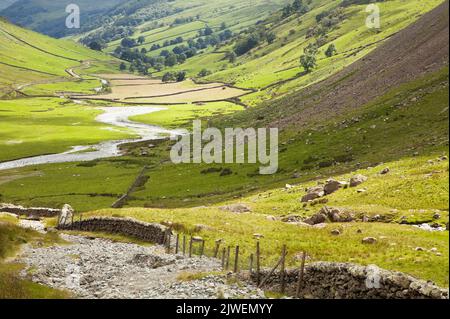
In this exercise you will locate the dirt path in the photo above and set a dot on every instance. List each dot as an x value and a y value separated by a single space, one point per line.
100 268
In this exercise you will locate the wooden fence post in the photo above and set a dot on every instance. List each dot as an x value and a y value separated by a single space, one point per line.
251 264
202 249
190 247
258 263
227 264
301 272
216 249
168 242
271 271
81 219
283 267
224 251
177 242
236 259
184 245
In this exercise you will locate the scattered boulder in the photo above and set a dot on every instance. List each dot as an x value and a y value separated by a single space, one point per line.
369 240
236 208
335 232
336 215
436 216
318 201
315 219
357 180
331 186
443 158
271 218
291 219
419 249
313 193
258 236
385 171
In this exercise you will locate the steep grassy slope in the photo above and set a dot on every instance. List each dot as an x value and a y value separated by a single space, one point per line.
28 57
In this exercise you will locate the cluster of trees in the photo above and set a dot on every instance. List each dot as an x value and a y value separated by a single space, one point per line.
297 7
167 43
309 58
174 76
106 35
255 37
130 43
325 22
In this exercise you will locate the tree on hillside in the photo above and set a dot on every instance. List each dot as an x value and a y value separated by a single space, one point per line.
171 59
122 66
168 77
141 39
208 31
331 50
181 76
271 37
308 59
128 42
247 44
94 45
204 72
231 57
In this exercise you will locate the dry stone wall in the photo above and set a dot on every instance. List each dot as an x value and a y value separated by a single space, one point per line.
30 211
327 280
149 232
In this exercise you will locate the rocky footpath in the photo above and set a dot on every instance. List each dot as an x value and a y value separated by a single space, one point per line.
100 268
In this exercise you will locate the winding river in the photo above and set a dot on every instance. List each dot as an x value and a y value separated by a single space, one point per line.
115 116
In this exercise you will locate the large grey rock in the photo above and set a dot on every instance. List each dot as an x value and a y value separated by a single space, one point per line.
357 180
331 186
316 219
313 193
337 215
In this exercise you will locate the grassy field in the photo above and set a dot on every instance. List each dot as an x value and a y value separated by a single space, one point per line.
48 125
158 92
176 116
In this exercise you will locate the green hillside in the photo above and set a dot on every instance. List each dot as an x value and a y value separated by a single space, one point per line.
28 57
373 99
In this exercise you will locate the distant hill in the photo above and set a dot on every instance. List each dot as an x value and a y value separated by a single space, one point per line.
48 16
6 3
